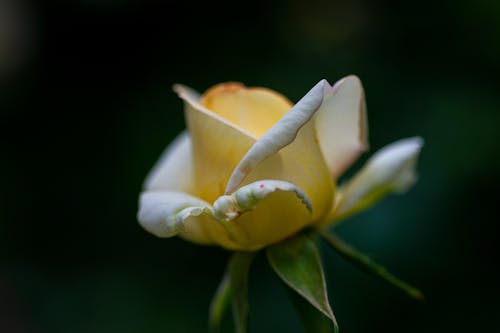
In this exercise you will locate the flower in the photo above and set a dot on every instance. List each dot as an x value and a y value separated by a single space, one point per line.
254 169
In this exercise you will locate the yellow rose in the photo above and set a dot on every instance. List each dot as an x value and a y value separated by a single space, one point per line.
254 169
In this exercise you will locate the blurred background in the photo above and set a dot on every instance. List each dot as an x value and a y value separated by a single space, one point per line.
86 108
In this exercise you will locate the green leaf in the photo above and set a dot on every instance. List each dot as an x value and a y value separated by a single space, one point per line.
239 266
297 262
219 304
312 320
367 264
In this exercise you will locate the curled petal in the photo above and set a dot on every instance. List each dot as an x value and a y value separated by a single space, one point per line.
246 198
174 169
301 163
276 217
278 136
341 124
390 170
163 213
194 100
217 146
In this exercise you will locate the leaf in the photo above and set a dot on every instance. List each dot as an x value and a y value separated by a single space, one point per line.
367 264
297 262
239 266
312 320
219 304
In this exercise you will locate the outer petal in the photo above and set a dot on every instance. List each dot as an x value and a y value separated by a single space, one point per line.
167 214
341 124
163 213
217 146
289 151
280 215
174 170
391 169
279 136
291 154
301 163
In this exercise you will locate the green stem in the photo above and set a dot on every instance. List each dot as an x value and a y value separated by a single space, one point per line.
219 304
239 267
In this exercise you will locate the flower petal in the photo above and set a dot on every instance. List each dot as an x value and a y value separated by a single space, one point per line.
217 146
278 136
301 163
252 109
341 124
263 213
391 169
174 170
167 214
277 216
246 198
163 213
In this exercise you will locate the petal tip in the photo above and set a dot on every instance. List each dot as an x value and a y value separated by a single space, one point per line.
178 88
351 79
186 92
411 146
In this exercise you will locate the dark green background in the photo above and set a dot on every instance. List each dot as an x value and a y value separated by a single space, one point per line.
86 108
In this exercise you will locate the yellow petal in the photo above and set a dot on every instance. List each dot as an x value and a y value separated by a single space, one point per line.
281 214
300 163
280 135
289 153
263 213
253 109
217 146
213 231
278 216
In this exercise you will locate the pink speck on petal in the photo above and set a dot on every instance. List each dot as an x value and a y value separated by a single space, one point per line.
261 185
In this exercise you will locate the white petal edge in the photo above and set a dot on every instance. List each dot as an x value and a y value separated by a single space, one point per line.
390 170
341 124
163 213
187 93
174 169
246 198
280 135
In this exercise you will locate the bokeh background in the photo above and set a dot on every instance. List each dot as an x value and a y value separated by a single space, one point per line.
86 108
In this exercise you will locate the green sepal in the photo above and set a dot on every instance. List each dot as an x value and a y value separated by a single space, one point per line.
312 320
239 267
219 304
367 264
297 262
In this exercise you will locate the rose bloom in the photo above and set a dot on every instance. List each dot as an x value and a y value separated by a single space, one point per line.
253 169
